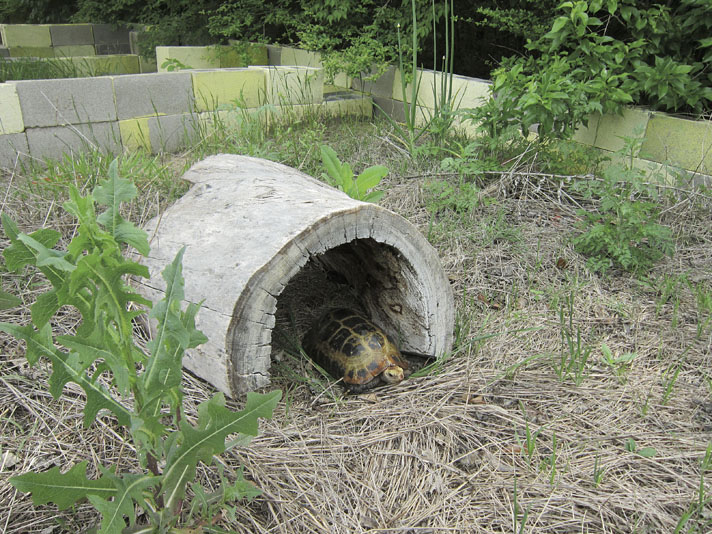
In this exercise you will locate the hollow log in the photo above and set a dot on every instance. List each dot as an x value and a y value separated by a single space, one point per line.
253 227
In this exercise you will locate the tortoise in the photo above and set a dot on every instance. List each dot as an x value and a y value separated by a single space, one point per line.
348 345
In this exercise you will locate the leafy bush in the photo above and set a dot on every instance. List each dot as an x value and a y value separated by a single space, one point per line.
600 56
144 388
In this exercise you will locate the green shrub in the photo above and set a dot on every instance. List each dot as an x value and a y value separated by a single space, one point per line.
600 56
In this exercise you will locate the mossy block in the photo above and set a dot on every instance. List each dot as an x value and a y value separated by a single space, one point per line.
681 142
10 111
586 134
71 35
26 35
135 134
226 88
31 51
185 57
241 54
258 54
287 85
297 56
147 65
74 51
361 106
613 128
4 52
230 56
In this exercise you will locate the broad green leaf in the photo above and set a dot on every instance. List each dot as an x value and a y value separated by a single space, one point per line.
63 489
647 452
374 196
44 308
8 300
127 233
215 423
18 254
331 163
128 490
173 335
99 344
370 177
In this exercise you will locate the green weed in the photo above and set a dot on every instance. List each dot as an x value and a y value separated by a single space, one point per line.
341 176
620 365
144 391
572 363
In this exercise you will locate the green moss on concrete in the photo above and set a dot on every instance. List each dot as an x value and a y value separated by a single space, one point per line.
225 88
135 134
193 57
586 135
683 143
74 50
613 128
31 51
26 35
10 111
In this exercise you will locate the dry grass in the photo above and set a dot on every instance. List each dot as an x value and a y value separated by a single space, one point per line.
443 453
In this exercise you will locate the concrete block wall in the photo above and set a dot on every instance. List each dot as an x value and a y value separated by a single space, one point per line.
211 57
154 112
668 143
62 40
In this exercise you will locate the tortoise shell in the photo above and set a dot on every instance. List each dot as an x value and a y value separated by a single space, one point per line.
347 345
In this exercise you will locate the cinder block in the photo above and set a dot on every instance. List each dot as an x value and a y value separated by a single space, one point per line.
74 51
257 54
297 56
10 111
135 134
358 106
51 143
274 55
112 49
66 101
109 34
147 65
216 88
381 86
392 108
240 54
26 35
71 34
4 52
193 57
682 142
292 85
586 135
13 149
612 128
104 65
169 93
31 51
170 133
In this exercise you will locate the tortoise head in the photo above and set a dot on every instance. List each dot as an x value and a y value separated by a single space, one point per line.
393 374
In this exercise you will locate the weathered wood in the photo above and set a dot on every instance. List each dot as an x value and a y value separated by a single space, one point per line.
251 225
